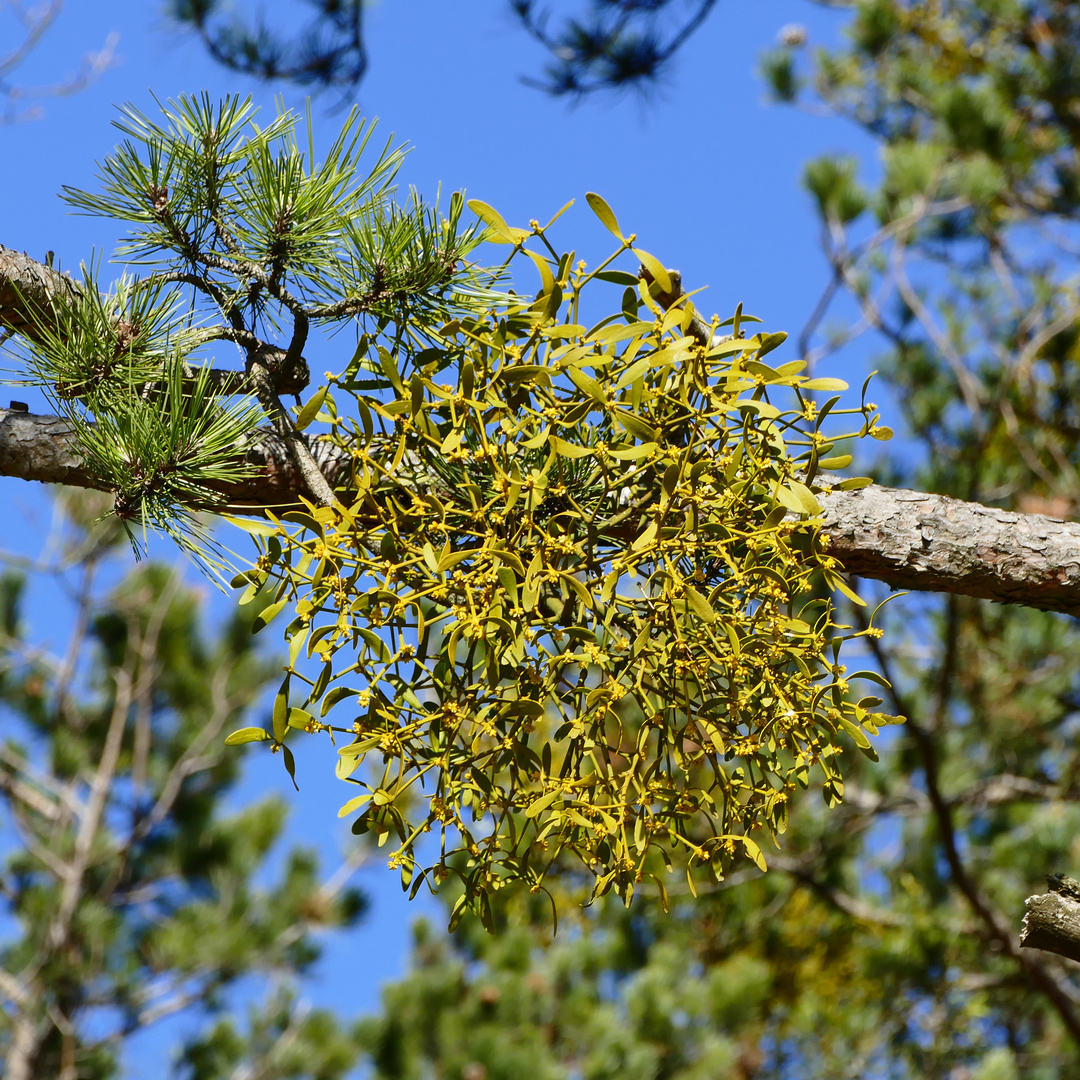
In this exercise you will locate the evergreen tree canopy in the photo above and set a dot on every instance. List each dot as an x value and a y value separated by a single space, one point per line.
130 893
596 45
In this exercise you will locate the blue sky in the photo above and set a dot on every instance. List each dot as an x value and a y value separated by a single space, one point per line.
706 173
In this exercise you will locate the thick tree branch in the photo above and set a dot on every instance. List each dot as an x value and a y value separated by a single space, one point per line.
933 543
1052 923
910 539
43 448
29 288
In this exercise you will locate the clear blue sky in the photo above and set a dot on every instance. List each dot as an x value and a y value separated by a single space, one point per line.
706 173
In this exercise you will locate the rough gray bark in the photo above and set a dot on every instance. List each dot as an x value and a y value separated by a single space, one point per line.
28 288
933 543
42 448
1052 923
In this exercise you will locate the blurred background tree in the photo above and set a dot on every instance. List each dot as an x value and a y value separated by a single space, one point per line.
593 44
883 942
22 28
130 891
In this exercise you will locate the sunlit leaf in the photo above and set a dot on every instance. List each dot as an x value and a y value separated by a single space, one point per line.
311 408
246 735
655 268
601 209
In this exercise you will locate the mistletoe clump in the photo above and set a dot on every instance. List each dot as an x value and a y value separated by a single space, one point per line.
573 601
554 583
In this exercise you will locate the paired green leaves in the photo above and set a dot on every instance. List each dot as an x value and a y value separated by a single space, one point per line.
604 212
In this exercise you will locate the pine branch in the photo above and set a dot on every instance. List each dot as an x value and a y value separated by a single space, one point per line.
29 291
295 445
43 448
909 539
933 543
